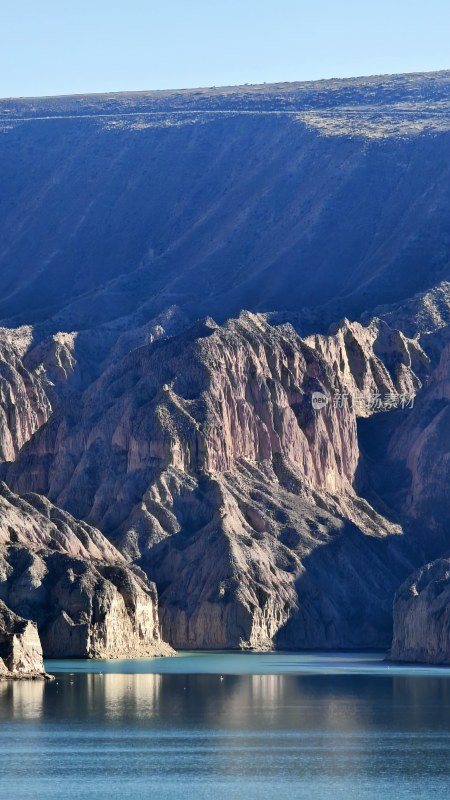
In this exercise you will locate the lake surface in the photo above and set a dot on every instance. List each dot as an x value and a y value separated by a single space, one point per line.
228 726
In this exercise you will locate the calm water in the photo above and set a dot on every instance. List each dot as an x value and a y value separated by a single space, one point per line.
228 726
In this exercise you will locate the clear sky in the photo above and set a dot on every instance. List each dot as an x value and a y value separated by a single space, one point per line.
61 47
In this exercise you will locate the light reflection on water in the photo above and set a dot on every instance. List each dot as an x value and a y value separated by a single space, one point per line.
241 663
348 727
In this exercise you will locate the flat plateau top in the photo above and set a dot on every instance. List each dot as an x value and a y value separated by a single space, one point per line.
376 107
384 89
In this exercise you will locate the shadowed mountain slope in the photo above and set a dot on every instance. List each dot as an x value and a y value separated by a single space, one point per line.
266 198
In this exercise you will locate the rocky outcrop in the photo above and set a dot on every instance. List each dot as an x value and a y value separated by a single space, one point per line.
33 522
20 647
43 549
66 577
200 403
83 609
24 400
210 466
376 364
39 372
422 616
251 559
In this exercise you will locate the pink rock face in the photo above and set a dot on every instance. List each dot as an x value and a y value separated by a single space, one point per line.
203 456
201 403
24 400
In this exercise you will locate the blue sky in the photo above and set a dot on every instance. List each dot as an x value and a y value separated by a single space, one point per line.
60 47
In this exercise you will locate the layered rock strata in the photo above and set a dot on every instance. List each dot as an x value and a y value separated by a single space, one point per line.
203 458
24 399
20 647
409 464
66 577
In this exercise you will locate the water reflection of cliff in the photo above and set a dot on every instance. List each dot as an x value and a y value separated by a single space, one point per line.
303 732
345 703
21 699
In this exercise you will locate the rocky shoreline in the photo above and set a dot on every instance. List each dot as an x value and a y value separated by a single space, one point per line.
21 654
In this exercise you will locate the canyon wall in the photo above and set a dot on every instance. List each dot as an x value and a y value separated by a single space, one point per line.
202 457
422 616
149 453
69 579
20 647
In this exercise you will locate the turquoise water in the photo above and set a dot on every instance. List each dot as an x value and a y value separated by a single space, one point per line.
228 726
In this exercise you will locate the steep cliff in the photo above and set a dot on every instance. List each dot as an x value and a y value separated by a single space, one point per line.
83 609
252 559
209 464
277 489
422 616
66 577
24 396
20 647
408 463
208 398
422 442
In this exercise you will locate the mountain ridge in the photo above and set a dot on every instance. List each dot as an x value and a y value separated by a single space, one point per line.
428 79
138 395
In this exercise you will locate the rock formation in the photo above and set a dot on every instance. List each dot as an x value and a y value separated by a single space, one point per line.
209 466
20 647
66 577
24 400
412 476
203 401
83 609
143 447
422 616
422 442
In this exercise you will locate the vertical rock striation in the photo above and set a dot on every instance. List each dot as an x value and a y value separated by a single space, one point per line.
20 647
202 457
70 580
422 616
24 401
